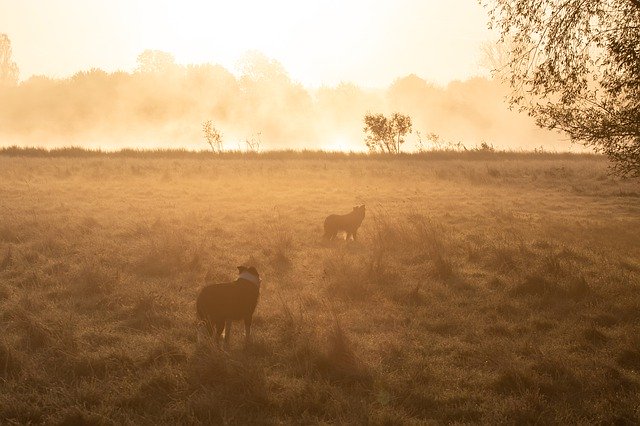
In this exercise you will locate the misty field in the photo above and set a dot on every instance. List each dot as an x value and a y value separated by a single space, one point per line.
478 291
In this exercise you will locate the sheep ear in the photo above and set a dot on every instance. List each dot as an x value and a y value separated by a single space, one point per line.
253 272
241 269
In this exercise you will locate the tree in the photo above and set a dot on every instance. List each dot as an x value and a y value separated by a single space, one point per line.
494 56
156 62
256 66
574 65
253 143
212 136
386 134
8 68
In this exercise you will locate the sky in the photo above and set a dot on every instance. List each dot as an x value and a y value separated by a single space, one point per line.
319 42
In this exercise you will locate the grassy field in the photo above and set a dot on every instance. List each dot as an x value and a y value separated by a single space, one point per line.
491 290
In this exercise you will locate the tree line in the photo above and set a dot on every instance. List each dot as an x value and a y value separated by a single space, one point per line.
164 104
573 66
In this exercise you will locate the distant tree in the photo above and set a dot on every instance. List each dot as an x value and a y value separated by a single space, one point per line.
435 142
575 66
256 66
494 55
386 134
212 136
485 147
155 62
8 69
253 143
271 103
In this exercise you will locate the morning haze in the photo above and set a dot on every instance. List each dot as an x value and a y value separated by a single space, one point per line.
300 76
164 104
178 245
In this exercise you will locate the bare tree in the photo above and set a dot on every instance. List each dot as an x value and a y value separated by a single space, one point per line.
212 136
254 143
8 69
494 55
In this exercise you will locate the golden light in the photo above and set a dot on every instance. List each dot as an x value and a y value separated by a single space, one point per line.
342 143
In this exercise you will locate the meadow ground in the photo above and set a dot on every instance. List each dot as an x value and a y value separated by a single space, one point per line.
479 291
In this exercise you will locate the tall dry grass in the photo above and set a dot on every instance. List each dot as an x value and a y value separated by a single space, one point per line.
479 290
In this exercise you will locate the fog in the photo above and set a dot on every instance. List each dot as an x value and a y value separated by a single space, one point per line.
163 105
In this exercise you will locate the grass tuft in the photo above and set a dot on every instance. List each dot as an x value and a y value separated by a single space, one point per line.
7 260
281 244
165 253
514 382
630 359
339 362
94 278
347 276
10 363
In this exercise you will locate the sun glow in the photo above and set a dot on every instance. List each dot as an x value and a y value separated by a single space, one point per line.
197 32
319 42
303 74
342 143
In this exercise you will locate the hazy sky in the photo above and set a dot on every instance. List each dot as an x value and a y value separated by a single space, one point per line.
318 41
